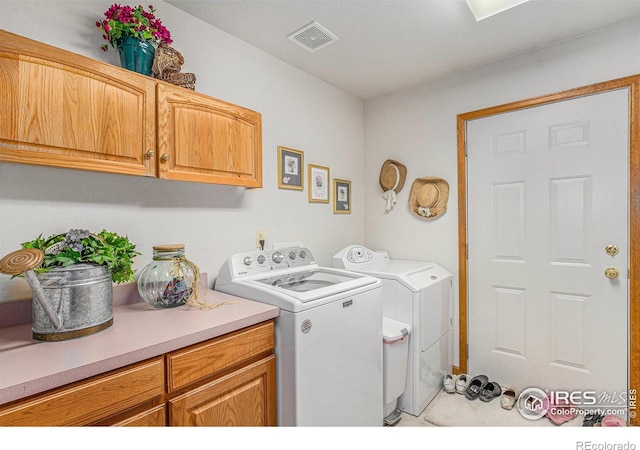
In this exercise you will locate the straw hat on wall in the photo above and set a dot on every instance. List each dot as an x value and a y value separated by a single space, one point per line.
392 178
428 197
392 175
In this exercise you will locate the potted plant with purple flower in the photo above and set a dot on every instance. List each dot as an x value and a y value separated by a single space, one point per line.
135 32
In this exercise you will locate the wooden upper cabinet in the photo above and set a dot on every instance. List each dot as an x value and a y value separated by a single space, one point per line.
207 140
62 109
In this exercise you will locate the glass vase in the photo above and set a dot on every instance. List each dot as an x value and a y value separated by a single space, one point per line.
136 55
170 279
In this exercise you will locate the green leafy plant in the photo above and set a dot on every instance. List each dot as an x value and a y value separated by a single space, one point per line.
80 246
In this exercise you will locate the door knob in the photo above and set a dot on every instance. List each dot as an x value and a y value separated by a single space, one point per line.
611 250
150 153
612 273
165 157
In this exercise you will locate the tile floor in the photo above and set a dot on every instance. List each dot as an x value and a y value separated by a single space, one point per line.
453 410
408 420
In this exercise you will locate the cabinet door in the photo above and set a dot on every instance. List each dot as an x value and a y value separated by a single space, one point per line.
207 140
154 417
246 397
66 110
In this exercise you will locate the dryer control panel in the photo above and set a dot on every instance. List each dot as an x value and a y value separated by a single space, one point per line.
357 257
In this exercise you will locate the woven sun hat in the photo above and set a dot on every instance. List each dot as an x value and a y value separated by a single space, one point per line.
392 176
428 197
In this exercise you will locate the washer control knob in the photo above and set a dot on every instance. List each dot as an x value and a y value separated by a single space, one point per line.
277 257
248 260
261 259
303 254
292 255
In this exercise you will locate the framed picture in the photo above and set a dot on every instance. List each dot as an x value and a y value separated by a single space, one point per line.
318 177
290 168
341 196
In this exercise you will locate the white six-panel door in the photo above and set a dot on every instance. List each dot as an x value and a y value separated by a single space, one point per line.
546 194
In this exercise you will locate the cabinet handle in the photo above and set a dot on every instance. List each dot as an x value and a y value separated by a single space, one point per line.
165 157
150 153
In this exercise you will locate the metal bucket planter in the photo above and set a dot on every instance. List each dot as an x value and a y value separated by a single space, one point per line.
68 302
81 296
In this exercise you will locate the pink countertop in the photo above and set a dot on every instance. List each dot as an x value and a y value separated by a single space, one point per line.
139 331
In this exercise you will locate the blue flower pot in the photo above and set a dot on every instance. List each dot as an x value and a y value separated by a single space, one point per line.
136 55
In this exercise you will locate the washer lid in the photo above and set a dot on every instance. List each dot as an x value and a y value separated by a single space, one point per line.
308 280
309 285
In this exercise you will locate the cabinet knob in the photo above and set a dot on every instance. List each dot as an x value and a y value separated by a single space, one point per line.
150 153
165 157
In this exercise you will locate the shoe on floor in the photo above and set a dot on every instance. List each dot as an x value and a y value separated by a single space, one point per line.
461 383
490 391
612 421
592 420
475 386
449 383
509 397
561 411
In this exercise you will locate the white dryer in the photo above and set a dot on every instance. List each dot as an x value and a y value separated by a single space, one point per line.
418 293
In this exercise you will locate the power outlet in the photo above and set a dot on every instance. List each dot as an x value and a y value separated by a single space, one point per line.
260 236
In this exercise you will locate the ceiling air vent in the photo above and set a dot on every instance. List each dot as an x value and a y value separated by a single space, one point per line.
313 37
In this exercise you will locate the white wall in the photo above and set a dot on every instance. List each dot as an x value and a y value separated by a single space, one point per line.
418 128
298 111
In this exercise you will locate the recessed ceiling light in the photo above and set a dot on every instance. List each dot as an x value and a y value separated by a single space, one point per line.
482 9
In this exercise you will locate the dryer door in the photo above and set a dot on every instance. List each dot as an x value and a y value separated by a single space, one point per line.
435 312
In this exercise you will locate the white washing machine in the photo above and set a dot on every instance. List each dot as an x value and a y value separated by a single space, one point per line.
418 293
328 335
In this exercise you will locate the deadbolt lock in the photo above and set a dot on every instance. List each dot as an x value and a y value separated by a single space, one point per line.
612 273
611 250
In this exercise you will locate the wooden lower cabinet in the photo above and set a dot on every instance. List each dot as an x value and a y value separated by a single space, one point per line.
243 398
91 401
225 381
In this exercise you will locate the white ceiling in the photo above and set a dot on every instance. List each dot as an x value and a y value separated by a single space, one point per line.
388 45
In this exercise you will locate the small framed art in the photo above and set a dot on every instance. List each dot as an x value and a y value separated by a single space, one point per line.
318 179
341 196
290 168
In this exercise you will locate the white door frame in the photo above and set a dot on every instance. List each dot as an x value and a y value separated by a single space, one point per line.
633 84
